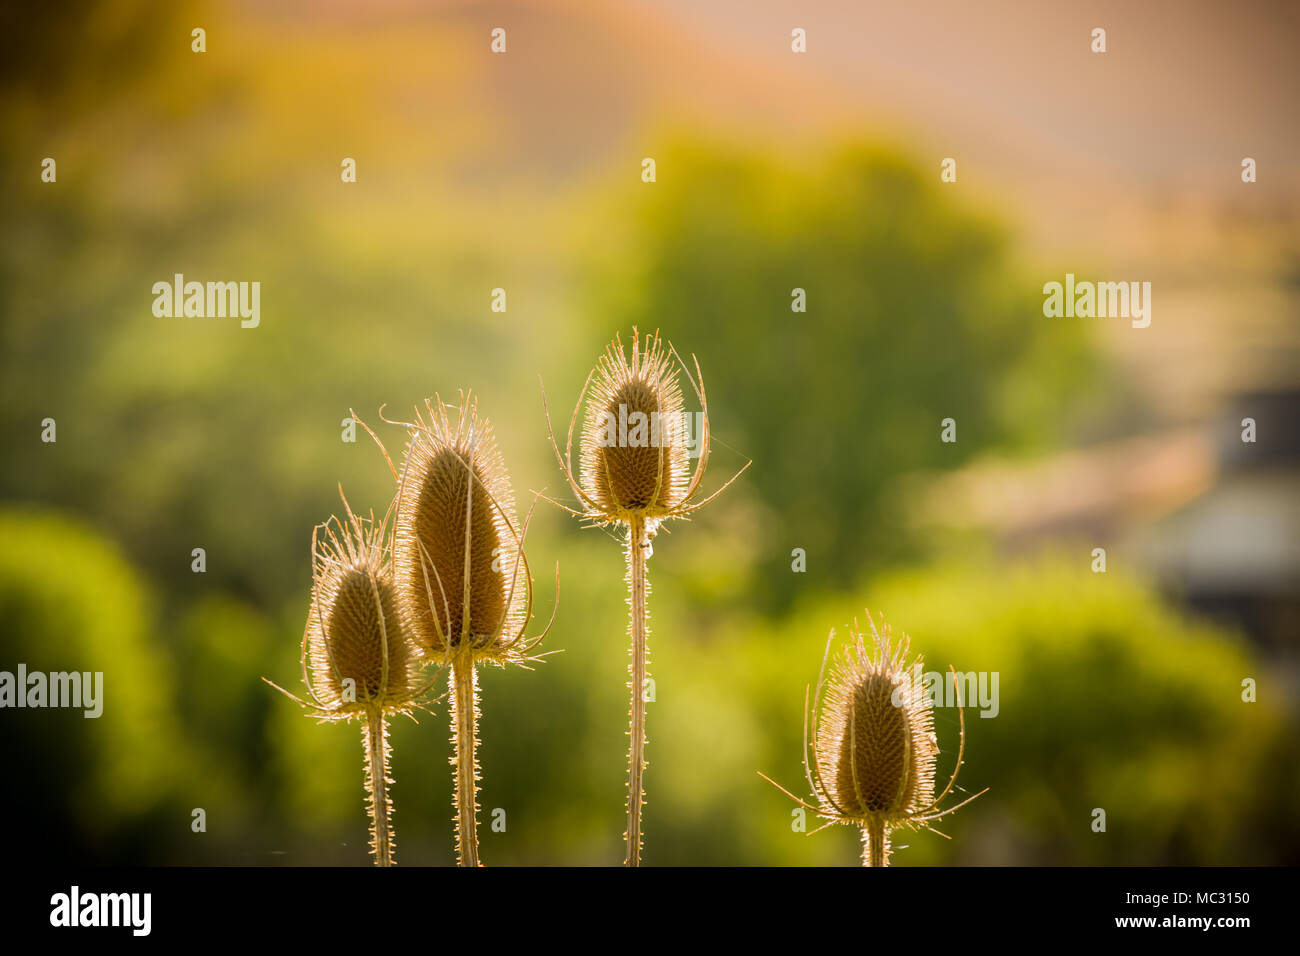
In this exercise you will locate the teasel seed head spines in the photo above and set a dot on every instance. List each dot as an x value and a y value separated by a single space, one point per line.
618 482
870 758
355 630
458 555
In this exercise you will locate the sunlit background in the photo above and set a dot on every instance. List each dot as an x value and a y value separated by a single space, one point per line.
775 171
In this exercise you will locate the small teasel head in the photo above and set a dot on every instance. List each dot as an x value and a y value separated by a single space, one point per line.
357 656
459 563
874 750
358 659
634 454
875 745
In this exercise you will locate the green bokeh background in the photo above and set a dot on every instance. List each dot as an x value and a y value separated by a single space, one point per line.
177 434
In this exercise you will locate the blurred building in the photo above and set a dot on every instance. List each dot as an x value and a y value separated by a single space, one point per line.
1234 551
1214 519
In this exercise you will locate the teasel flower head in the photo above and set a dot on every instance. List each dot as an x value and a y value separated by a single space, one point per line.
357 651
874 750
459 564
633 448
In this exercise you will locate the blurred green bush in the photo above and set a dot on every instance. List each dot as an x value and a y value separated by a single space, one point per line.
917 310
69 601
1107 698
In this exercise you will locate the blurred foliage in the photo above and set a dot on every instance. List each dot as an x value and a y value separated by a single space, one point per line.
916 312
1107 698
69 601
178 434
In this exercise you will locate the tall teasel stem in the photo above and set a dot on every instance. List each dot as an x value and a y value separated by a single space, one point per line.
637 546
464 738
635 472
374 735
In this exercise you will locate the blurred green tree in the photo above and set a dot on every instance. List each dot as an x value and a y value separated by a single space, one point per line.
915 312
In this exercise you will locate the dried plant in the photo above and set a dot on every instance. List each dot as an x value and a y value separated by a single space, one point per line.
358 659
874 753
460 573
635 474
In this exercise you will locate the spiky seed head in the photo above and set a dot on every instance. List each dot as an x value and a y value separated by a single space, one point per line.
457 559
875 746
358 654
634 459
874 749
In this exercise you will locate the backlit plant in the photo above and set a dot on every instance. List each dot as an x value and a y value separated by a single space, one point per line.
874 751
635 474
460 573
358 659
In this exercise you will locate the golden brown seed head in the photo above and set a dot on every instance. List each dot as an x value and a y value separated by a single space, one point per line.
634 459
457 558
875 746
874 752
354 630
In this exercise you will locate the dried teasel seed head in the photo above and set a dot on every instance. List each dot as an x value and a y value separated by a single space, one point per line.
874 749
875 746
357 653
634 456
635 439
457 558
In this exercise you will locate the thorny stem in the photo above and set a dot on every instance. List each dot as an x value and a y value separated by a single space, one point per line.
374 734
636 575
875 843
464 737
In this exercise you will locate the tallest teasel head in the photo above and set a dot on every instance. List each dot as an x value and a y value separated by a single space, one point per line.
635 474
633 442
634 452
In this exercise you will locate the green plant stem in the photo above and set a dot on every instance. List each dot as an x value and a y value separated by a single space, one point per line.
636 573
875 844
374 735
464 737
